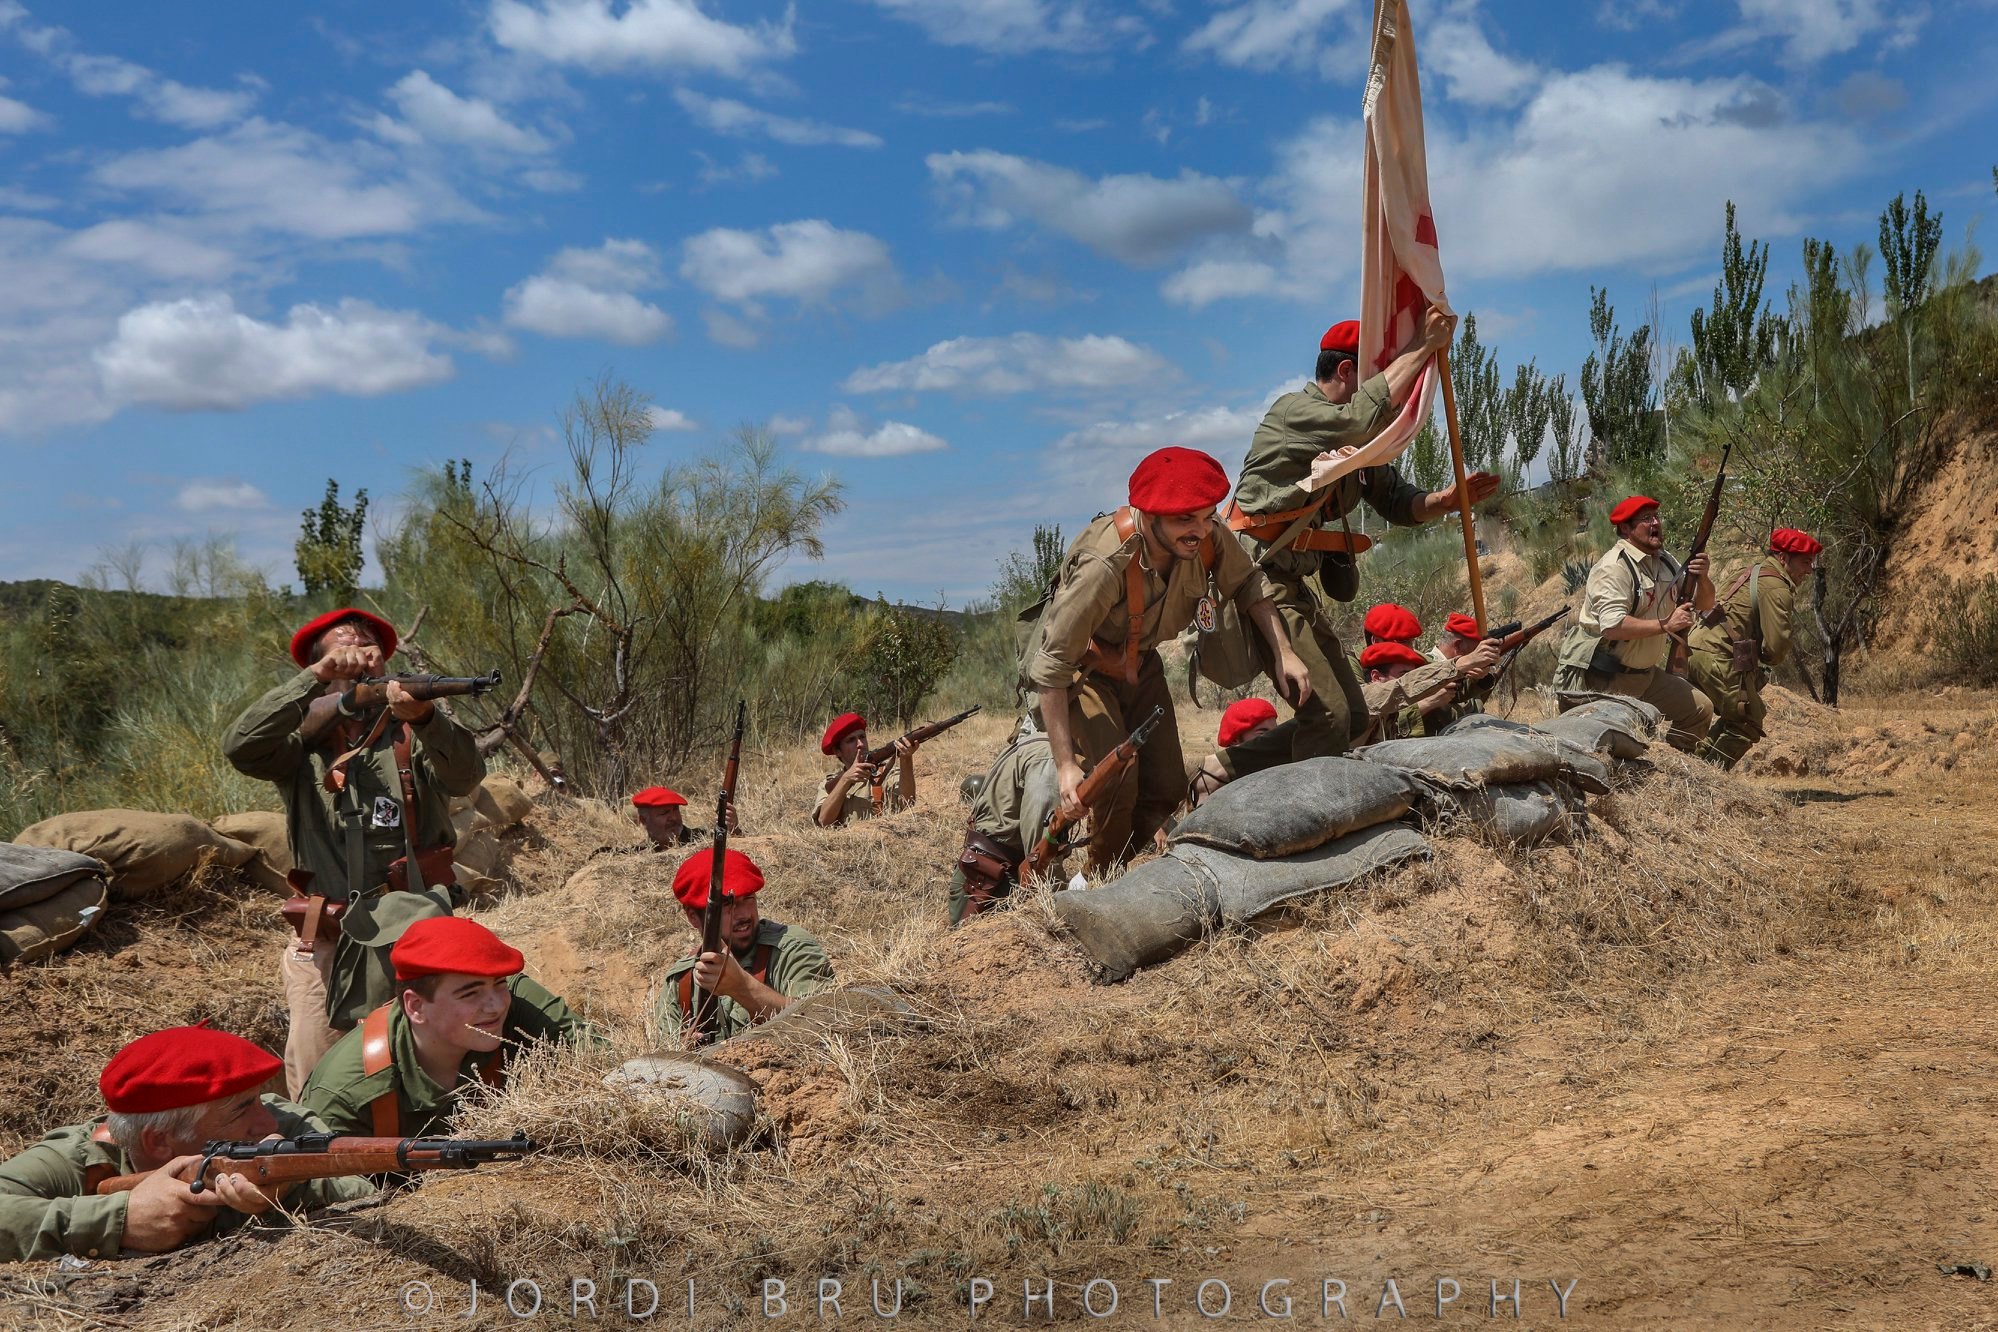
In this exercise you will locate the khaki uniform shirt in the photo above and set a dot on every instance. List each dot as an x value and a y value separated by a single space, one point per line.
1416 684
1019 796
45 1210
1774 596
1297 428
1089 600
341 1094
859 802
798 967
1624 582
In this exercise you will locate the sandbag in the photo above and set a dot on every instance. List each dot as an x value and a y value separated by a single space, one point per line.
145 851
503 801
35 930
1493 754
264 830
480 850
833 1013
713 1103
1596 732
1163 906
31 874
1516 816
1633 714
1297 806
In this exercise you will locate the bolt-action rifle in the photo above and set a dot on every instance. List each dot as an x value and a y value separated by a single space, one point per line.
364 695
880 755
707 1004
1688 585
1108 770
282 1161
1511 638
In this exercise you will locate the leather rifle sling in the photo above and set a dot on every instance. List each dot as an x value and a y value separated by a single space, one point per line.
336 782
405 771
759 968
386 1109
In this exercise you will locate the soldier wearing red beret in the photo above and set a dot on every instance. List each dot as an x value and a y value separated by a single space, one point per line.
1250 739
1132 580
763 965
860 790
1735 645
1629 616
461 1004
1344 407
659 810
169 1094
344 841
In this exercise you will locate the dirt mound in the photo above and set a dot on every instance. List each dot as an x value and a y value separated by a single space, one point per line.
1806 739
1952 533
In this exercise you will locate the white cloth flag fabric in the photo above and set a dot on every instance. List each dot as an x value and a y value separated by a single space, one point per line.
1400 269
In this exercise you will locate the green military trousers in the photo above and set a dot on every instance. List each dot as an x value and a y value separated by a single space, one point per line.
1102 712
1738 707
1336 711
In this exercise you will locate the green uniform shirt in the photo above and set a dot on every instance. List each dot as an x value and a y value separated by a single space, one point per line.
1089 600
1019 795
798 967
1774 597
859 802
1296 429
341 1094
45 1210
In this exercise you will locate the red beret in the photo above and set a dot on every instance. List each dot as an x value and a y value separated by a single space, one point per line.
301 642
1462 625
658 796
1243 717
1390 621
1630 506
1342 337
183 1066
740 877
453 945
1380 656
1789 541
1177 480
841 727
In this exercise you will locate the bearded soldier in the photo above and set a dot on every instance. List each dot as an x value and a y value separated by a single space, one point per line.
1749 632
1336 410
1131 581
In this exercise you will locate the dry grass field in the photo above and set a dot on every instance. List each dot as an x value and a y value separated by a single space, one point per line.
1726 1062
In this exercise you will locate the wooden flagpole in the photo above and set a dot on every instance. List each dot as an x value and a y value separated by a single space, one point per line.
1472 572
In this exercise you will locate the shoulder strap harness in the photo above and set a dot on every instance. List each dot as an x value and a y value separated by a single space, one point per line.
386 1109
1123 663
759 968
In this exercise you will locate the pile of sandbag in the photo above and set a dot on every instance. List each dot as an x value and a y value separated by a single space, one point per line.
1260 841
143 851
48 900
1307 827
499 804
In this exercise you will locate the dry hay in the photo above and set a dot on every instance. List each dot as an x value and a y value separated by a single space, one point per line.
1937 734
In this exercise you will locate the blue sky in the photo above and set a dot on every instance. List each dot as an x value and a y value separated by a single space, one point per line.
974 257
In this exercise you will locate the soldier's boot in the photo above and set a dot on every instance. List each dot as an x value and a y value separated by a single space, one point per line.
1725 744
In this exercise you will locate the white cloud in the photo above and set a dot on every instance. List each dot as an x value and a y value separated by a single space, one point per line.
1098 458
752 168
670 419
434 114
1138 220
729 331
809 261
200 353
663 34
589 294
1473 72
209 495
157 97
848 437
789 425
155 249
1812 30
1201 284
1012 27
260 174
916 104
19 117
1266 34
1021 363
740 121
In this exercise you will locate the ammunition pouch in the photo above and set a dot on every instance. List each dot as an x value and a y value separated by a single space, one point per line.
1339 575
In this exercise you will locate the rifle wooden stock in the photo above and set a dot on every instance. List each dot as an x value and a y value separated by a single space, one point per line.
325 1156
927 731
1509 644
362 695
707 1005
1688 586
1107 771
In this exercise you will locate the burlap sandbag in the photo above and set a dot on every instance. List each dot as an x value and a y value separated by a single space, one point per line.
1494 753
146 851
30 874
479 850
503 802
1633 714
1516 816
35 931
1163 906
263 829
1297 806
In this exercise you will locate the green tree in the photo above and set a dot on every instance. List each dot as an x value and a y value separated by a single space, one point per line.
1732 342
1529 406
1908 245
1024 575
1618 391
908 650
1564 464
1481 420
1427 462
329 545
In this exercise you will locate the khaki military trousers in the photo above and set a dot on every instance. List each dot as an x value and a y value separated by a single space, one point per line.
1689 710
1102 712
1336 711
1738 707
309 1036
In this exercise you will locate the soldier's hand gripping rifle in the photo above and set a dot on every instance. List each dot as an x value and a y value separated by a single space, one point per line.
1689 585
1104 775
365 695
927 731
1511 638
280 1161
707 1004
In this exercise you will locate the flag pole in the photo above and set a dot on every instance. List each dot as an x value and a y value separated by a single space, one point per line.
1472 572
